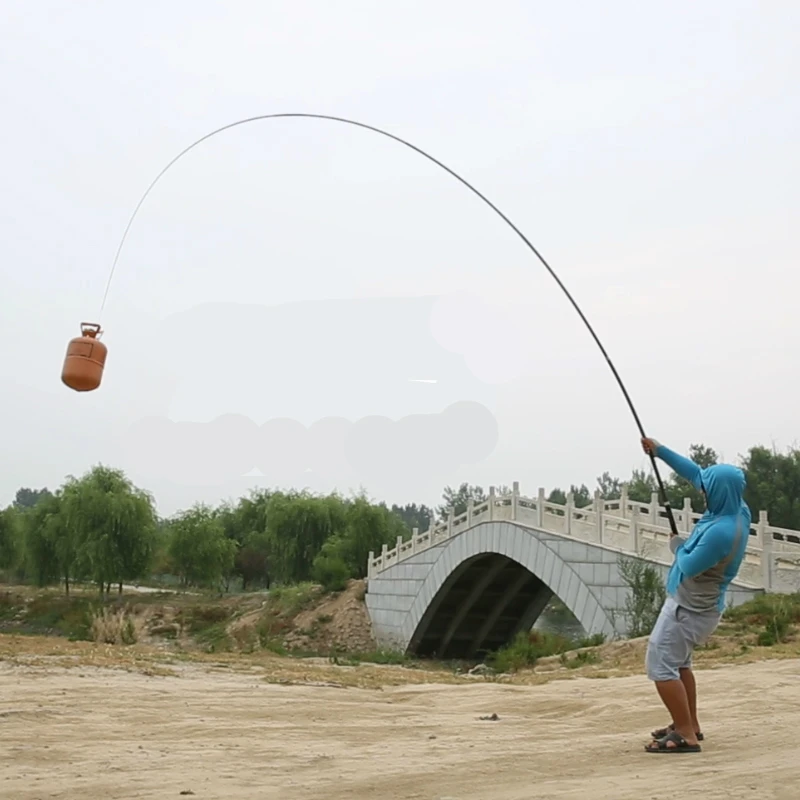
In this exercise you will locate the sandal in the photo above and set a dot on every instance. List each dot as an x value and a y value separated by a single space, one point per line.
681 745
662 732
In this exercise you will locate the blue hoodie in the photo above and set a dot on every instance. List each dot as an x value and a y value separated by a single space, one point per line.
710 558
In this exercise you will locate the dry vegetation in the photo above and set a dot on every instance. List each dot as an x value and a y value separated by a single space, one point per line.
328 635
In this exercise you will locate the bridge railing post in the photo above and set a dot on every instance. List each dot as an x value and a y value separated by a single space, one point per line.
623 501
514 499
598 511
540 508
370 567
687 514
760 533
492 496
655 505
384 553
568 513
414 540
451 513
766 550
635 529
470 511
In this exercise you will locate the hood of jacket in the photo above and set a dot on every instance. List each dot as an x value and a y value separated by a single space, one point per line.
724 485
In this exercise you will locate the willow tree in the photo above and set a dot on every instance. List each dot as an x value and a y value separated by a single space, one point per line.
246 524
51 549
298 525
368 526
199 551
112 523
9 538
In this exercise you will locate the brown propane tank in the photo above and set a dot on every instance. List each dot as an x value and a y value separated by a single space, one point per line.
85 359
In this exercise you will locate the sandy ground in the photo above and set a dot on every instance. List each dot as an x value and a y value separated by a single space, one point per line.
214 732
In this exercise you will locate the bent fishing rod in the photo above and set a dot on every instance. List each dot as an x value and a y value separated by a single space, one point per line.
454 174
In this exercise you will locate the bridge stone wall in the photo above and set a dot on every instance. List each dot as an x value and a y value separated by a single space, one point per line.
584 576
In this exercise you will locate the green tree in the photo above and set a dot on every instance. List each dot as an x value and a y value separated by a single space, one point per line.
113 524
609 488
200 553
252 560
581 497
51 551
457 499
246 524
298 525
641 486
161 564
28 498
10 544
367 528
414 516
773 484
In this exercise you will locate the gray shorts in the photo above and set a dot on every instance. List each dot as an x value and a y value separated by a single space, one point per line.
676 633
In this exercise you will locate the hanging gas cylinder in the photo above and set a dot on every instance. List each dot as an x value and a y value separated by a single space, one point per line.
85 359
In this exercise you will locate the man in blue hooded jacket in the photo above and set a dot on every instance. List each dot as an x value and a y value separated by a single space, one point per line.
704 566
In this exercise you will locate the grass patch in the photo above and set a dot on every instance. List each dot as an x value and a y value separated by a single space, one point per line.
282 605
595 640
289 601
214 638
208 626
59 615
527 649
580 659
772 617
10 606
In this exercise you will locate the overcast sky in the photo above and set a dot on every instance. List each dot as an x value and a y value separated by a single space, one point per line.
344 312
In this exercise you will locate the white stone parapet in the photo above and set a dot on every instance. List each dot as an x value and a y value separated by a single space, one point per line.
772 560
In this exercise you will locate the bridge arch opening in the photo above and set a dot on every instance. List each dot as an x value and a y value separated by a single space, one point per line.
494 580
481 606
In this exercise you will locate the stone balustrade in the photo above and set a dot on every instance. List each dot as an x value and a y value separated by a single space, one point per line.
632 528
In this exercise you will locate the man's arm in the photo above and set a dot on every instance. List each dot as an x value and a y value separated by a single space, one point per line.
711 548
685 467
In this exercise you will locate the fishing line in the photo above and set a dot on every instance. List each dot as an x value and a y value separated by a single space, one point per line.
469 186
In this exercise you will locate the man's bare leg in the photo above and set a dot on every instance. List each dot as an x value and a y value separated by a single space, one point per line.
687 679
674 696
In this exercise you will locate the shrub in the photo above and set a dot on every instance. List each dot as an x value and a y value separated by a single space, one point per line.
330 572
592 641
116 626
580 658
527 648
645 598
776 614
208 625
61 615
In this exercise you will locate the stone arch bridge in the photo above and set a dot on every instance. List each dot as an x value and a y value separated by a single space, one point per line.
470 584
